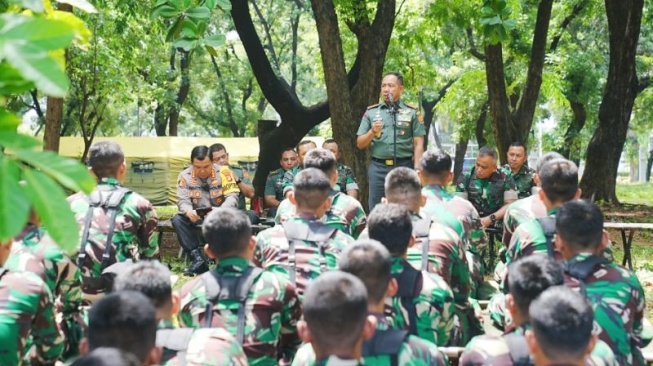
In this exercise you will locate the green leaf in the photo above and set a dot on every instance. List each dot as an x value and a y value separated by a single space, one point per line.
186 43
224 4
199 13
214 40
70 173
37 66
211 51
159 3
9 122
189 28
80 4
33 5
14 207
50 203
168 11
17 141
210 4
46 34
174 30
12 82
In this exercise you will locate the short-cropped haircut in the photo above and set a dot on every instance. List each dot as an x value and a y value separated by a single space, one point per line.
322 159
151 278
435 163
562 321
559 180
305 142
371 262
311 187
124 320
227 231
391 224
335 309
545 159
402 184
199 152
530 276
105 158
580 224
488 151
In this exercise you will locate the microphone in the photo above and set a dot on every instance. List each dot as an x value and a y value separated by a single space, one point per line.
391 100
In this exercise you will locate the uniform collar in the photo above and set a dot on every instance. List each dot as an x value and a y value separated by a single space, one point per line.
580 257
305 217
553 211
398 265
29 231
381 321
109 181
232 264
337 361
438 189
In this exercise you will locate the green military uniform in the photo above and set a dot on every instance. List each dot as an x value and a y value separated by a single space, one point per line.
346 179
288 177
336 361
272 253
523 179
33 250
413 351
134 237
272 310
206 346
274 184
485 194
433 305
618 301
346 214
494 350
382 148
519 212
27 310
241 175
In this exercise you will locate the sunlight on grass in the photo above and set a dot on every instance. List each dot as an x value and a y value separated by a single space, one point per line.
636 193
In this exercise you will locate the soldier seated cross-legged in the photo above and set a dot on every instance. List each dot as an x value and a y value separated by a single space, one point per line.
115 223
370 261
258 307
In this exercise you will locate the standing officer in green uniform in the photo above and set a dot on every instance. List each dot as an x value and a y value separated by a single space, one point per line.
518 169
377 131
240 179
274 183
346 180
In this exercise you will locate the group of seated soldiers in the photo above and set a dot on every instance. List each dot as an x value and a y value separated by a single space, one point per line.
328 285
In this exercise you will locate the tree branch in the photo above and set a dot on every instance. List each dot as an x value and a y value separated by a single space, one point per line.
575 11
472 45
643 83
268 34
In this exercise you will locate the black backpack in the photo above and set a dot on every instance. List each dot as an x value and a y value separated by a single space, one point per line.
410 284
219 288
385 343
297 233
176 340
109 201
548 225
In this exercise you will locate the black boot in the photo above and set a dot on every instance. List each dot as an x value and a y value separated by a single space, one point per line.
198 266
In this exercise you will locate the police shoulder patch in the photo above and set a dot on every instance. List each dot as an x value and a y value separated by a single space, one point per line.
373 106
182 182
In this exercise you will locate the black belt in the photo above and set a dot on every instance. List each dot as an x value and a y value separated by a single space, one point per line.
390 161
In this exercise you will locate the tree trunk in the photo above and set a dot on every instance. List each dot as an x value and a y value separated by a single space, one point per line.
160 120
571 145
182 93
480 126
459 158
53 118
606 146
503 126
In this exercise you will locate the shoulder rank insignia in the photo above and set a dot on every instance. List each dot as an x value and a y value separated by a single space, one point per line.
373 106
410 106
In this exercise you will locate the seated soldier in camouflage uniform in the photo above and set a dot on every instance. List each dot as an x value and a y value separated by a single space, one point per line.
239 179
562 333
130 223
33 250
346 180
303 147
303 246
181 346
435 175
336 321
614 291
258 307
346 213
107 356
424 303
125 320
528 278
26 311
274 183
517 169
371 262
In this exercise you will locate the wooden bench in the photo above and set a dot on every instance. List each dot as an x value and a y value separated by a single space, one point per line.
627 230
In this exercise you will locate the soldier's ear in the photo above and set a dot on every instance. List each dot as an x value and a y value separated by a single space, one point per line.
579 192
533 347
510 305
209 253
83 346
392 289
303 332
176 303
154 356
369 327
422 201
536 179
591 344
291 198
384 200
449 178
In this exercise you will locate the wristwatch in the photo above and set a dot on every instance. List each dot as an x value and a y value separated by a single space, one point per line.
238 181
493 217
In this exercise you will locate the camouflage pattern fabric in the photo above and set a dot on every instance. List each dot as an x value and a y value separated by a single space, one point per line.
528 239
434 305
336 361
27 310
288 177
208 346
523 179
519 212
346 179
272 310
618 301
494 350
485 194
274 184
413 352
134 237
346 214
272 246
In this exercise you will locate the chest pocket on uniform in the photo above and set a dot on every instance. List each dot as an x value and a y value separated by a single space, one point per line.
404 123
496 191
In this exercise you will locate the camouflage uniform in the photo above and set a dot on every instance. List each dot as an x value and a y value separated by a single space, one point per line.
414 351
473 234
523 179
27 310
272 310
434 305
274 184
272 246
618 301
336 361
346 214
519 212
134 237
494 350
346 179
34 251
208 346
288 177
485 194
